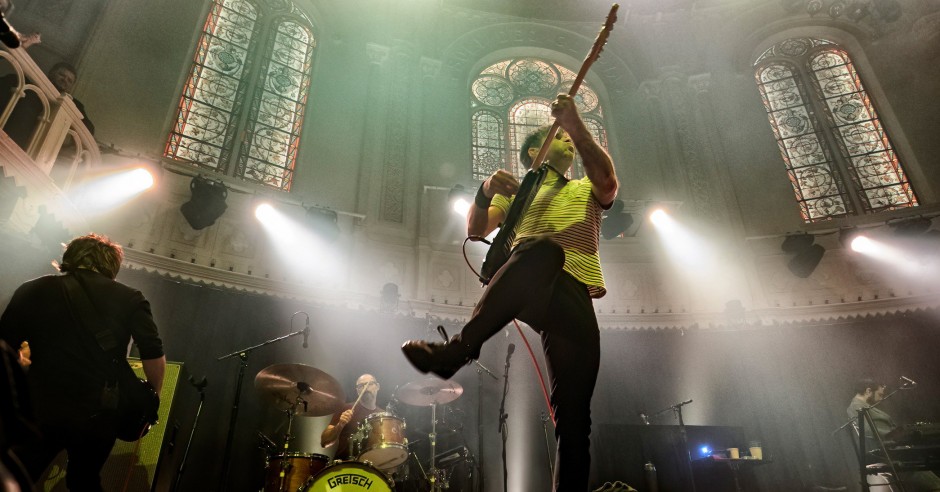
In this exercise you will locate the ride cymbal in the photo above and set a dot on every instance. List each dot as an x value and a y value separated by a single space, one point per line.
429 391
307 390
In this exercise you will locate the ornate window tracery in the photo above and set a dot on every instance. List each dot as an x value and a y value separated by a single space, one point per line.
262 50
510 99
838 155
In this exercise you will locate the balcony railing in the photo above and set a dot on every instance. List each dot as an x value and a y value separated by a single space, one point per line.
44 147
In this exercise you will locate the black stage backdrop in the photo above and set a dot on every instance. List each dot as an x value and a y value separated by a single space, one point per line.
787 386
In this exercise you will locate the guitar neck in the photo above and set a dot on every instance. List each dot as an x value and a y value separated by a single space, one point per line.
579 78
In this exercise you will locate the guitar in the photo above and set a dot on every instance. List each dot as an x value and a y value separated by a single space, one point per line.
136 405
501 247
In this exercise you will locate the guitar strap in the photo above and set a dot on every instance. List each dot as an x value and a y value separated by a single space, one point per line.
83 311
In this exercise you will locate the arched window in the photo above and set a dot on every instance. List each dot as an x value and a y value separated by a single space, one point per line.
265 51
510 99
837 152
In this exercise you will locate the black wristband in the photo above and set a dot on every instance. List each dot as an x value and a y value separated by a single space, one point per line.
481 200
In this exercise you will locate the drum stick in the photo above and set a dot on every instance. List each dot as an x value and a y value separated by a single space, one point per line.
360 396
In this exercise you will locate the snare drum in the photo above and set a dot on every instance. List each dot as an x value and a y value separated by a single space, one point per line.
348 476
290 471
381 441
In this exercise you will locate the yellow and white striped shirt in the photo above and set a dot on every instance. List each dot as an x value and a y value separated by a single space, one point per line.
567 212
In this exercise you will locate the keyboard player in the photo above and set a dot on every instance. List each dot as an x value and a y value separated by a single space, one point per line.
869 392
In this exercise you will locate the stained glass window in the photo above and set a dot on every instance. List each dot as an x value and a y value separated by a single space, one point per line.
838 155
510 99
262 51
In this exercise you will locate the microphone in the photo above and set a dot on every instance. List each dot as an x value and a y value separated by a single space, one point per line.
199 385
908 382
306 331
512 348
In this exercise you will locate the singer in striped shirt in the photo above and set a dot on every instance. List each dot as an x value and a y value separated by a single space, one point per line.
549 280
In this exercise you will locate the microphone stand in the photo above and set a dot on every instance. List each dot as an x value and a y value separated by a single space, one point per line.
503 428
480 370
677 410
242 364
543 416
201 387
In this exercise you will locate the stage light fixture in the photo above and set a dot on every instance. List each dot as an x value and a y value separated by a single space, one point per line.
862 244
806 254
323 222
659 217
207 203
460 200
846 235
615 221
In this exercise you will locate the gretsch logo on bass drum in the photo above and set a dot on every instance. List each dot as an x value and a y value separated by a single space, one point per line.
350 479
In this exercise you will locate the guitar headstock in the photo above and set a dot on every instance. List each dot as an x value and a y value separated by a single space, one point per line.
603 35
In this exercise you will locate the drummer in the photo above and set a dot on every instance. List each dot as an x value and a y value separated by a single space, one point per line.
346 421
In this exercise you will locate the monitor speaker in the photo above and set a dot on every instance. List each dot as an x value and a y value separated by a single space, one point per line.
134 463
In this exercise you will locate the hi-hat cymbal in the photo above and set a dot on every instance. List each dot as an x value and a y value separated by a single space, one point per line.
429 391
308 390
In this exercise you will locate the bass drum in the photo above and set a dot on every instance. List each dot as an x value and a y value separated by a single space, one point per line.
349 476
287 472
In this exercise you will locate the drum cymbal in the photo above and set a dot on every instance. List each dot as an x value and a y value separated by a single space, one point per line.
429 391
308 390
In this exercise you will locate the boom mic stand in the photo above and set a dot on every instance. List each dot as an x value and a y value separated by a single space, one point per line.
242 365
677 410
201 387
480 370
503 416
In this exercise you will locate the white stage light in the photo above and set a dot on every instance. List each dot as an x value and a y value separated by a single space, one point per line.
659 217
862 244
462 207
265 213
99 195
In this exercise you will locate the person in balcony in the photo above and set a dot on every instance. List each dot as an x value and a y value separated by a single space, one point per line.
26 115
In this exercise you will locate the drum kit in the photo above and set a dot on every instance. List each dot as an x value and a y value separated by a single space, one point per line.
379 445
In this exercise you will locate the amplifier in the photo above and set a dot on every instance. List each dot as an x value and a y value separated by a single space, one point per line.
131 462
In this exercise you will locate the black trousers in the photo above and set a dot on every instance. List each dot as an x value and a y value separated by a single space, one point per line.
532 287
88 443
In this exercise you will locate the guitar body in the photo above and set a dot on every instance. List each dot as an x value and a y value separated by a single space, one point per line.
501 248
137 405
496 257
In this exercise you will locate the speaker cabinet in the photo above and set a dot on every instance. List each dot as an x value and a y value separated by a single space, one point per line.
133 462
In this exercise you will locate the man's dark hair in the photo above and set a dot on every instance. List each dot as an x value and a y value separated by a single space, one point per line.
862 384
531 140
63 65
92 252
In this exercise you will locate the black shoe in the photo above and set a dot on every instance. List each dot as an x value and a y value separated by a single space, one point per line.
443 359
